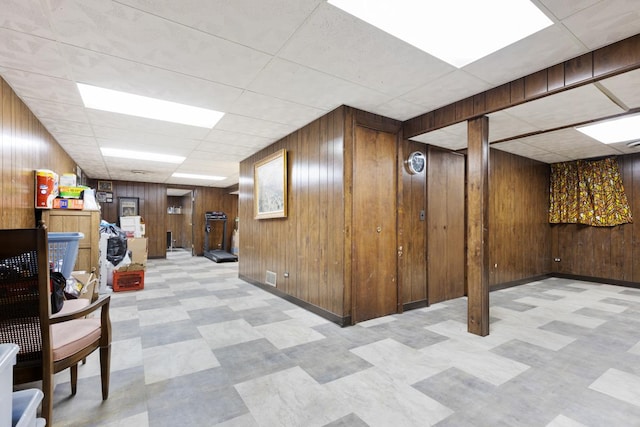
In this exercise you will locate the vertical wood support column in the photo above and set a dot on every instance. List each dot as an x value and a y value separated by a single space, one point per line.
478 226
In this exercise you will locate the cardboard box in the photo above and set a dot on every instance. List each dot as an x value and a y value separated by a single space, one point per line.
138 248
77 204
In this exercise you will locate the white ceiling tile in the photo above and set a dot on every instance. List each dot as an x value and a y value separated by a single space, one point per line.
25 52
550 158
399 109
339 44
263 25
125 32
25 17
519 148
565 108
67 127
452 137
502 125
540 50
625 87
563 8
130 76
269 108
296 83
605 22
438 92
238 139
139 124
38 86
254 126
55 110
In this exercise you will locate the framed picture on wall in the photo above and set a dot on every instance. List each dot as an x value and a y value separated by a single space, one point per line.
105 186
128 206
270 186
104 196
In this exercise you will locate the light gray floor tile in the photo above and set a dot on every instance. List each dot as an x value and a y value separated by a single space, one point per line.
200 347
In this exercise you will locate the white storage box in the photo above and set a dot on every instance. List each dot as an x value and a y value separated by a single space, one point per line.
7 360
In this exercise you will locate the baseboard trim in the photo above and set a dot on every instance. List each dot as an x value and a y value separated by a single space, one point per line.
519 282
602 280
332 317
415 304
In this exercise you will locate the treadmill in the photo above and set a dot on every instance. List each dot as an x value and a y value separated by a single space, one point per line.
220 254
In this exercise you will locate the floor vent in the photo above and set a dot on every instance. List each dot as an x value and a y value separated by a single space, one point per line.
271 278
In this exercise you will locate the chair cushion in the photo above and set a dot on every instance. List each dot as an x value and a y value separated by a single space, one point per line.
69 337
72 305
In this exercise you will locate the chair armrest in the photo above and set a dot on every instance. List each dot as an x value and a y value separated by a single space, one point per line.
102 301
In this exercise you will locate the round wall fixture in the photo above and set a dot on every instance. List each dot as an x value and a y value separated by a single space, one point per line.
416 162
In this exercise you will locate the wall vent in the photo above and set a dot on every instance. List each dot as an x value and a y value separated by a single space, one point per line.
271 278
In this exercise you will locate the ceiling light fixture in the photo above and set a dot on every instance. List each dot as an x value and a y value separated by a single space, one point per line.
151 108
456 31
621 129
195 176
141 155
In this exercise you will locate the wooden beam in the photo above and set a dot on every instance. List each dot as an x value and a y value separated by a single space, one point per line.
597 65
478 226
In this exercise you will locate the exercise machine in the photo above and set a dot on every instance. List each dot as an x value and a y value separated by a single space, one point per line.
220 253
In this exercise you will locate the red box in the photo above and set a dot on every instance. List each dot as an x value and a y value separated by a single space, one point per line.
128 280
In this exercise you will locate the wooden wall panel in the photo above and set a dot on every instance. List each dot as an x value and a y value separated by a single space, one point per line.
445 225
519 233
412 231
25 145
153 202
607 253
307 245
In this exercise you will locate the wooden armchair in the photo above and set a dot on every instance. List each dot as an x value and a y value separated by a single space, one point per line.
47 344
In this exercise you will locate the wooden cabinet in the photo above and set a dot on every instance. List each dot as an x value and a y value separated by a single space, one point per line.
86 222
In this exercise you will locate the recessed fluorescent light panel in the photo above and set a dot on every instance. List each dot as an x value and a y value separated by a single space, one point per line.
456 31
622 129
141 155
194 176
150 108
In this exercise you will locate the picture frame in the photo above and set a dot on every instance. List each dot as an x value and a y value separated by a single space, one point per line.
270 186
104 196
128 206
105 186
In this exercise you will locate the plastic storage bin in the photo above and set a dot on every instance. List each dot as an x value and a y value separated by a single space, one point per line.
8 354
63 251
128 280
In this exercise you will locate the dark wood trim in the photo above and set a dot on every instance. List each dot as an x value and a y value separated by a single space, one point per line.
340 320
597 65
624 283
477 221
519 282
415 304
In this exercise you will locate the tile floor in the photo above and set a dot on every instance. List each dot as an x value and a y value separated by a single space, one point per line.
199 347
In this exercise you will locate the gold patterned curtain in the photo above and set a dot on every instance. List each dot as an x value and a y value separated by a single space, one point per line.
588 192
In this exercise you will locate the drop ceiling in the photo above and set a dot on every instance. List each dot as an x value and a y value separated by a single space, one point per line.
274 66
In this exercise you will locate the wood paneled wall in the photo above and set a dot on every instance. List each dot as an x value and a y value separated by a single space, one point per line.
308 244
445 225
153 202
519 232
412 231
25 145
610 253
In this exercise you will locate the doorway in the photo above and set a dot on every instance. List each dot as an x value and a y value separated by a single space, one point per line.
374 243
180 219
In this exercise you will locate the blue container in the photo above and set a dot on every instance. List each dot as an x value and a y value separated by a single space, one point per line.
63 251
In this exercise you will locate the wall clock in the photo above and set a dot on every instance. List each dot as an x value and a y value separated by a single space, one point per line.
416 162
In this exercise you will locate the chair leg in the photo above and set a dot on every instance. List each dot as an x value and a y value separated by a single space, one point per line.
105 369
74 379
47 399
